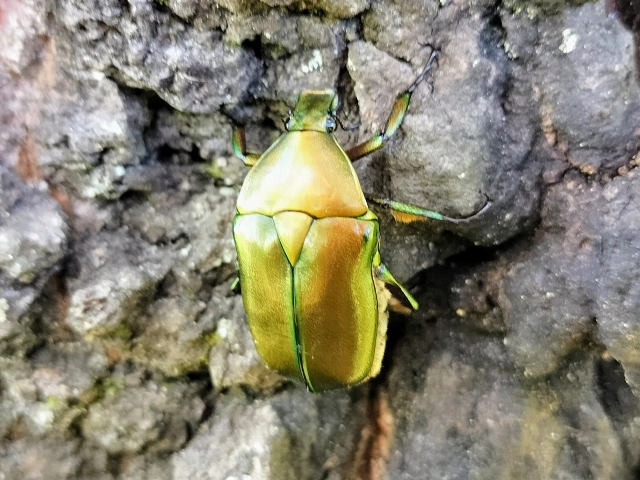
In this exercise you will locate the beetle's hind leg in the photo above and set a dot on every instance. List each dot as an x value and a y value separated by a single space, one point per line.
240 148
398 112
407 213
382 273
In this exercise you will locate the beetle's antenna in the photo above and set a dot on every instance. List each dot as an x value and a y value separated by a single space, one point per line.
350 127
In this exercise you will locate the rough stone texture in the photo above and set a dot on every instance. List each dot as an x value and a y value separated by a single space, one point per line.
33 241
145 47
148 416
336 8
86 139
322 430
124 355
596 124
118 276
482 423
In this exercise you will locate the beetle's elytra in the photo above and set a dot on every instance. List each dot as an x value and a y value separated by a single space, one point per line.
312 282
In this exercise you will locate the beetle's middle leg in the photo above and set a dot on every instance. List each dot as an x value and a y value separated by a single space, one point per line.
398 112
406 212
240 148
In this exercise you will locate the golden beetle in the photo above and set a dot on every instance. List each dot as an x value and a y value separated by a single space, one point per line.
312 281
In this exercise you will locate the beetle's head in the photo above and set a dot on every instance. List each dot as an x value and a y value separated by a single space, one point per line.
314 110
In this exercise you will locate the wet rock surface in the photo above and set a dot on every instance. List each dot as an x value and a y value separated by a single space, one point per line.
125 355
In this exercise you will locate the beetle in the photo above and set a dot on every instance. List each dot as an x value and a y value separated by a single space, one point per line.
312 280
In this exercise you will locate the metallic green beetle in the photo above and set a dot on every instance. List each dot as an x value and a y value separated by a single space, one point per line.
311 277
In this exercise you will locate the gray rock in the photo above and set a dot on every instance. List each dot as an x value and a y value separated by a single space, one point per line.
267 438
148 48
547 296
33 242
15 45
203 136
171 339
175 333
616 306
385 26
576 282
256 445
203 15
331 7
27 54
90 132
20 411
301 53
595 124
42 397
141 469
476 421
150 415
28 246
281 33
31 460
67 371
118 278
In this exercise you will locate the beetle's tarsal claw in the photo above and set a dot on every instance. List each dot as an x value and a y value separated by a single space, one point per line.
348 128
486 207
433 60
430 46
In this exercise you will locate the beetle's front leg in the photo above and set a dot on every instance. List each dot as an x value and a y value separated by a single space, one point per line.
398 112
240 148
406 213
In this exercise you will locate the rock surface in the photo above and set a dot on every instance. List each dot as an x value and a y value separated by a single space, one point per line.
125 355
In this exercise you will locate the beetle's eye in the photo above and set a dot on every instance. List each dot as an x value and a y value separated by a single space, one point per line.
330 124
287 123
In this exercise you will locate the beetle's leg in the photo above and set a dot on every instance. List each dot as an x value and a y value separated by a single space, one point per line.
398 111
406 213
240 148
383 273
235 286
